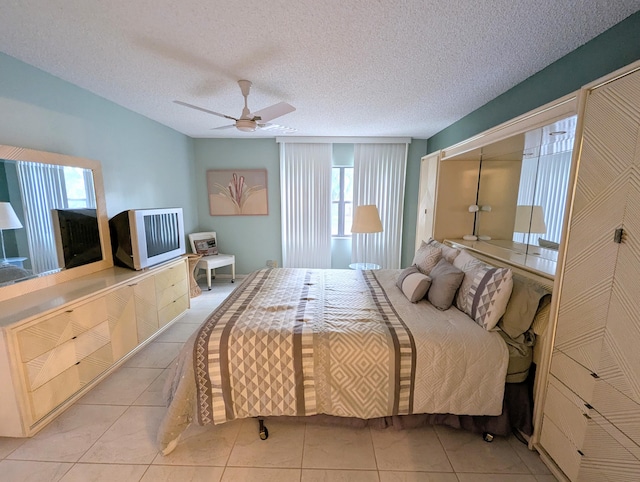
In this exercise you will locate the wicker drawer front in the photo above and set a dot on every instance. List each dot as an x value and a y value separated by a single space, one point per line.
52 363
169 312
170 276
59 328
58 389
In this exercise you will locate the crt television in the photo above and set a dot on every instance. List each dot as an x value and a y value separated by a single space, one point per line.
143 237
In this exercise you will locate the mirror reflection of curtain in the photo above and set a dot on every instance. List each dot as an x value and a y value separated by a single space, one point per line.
379 178
544 178
43 188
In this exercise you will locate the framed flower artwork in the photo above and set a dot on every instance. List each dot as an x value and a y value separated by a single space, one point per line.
237 192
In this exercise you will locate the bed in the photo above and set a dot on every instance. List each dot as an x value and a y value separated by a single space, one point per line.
342 344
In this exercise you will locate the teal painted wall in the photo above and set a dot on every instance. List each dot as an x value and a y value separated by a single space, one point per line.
613 49
256 239
144 164
252 239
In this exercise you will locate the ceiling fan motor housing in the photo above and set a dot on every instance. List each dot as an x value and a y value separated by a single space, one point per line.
246 125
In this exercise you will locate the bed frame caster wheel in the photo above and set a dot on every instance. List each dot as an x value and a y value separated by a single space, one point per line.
264 433
487 437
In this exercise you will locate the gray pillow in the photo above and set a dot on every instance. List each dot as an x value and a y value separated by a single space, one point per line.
445 281
413 283
427 257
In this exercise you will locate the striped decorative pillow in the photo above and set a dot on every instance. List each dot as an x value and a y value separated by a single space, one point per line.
486 294
427 257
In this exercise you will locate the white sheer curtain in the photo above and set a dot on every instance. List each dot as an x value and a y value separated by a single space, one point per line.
379 178
43 189
305 186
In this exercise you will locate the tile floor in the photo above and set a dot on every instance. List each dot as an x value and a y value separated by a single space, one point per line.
109 434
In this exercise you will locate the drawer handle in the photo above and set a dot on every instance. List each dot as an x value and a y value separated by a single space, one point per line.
69 311
595 375
581 453
77 363
589 406
586 416
74 337
134 284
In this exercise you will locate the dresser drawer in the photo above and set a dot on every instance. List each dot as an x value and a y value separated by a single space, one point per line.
573 375
567 411
48 396
560 448
52 363
169 312
54 330
171 293
607 454
170 276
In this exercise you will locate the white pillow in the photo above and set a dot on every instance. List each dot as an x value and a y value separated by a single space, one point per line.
448 252
413 283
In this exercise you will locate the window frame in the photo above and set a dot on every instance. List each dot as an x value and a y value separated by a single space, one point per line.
341 202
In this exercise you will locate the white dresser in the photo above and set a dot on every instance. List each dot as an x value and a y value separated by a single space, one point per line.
58 342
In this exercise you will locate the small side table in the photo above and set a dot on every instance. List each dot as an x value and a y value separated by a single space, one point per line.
364 266
194 289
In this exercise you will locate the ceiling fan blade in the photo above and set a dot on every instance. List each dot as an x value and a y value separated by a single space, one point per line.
223 127
276 127
204 110
271 112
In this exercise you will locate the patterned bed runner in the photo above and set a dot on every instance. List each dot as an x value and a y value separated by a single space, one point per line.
303 342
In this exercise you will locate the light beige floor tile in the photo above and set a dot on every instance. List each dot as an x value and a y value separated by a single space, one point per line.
328 475
69 436
165 473
207 445
283 448
328 447
417 449
238 474
468 452
155 355
30 471
152 396
131 440
122 387
9 444
495 478
104 473
531 458
396 476
177 333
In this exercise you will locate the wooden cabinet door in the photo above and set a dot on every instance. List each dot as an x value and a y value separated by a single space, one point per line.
121 311
146 308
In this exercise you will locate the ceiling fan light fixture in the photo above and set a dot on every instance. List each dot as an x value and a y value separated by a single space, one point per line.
246 125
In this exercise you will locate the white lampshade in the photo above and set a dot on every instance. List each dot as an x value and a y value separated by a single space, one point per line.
8 217
366 219
529 219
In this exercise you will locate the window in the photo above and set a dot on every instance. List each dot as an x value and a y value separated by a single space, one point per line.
341 201
75 188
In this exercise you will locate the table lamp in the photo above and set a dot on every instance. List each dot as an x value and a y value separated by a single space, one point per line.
366 220
8 220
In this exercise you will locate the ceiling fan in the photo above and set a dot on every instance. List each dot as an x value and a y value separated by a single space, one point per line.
249 122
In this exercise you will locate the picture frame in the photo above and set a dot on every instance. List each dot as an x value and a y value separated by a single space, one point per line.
237 192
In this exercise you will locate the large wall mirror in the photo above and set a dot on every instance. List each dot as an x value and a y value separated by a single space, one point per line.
522 190
53 221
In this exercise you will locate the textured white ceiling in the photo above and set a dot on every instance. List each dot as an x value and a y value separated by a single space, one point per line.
350 67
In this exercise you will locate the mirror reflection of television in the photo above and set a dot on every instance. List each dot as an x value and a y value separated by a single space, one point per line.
77 236
143 237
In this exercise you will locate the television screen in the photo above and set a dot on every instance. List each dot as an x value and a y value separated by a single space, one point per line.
162 233
77 237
